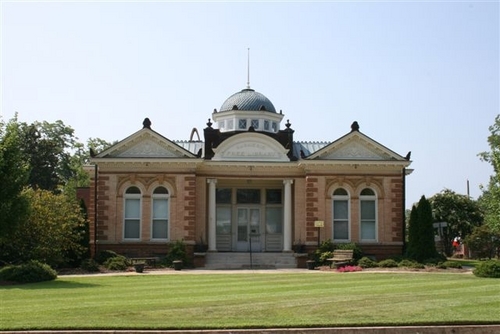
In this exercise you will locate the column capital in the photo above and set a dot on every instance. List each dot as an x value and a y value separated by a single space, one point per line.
214 181
288 181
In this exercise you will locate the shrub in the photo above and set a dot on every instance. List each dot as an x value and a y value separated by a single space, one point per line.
90 265
177 251
104 255
388 263
356 254
410 264
366 262
489 268
449 264
30 272
440 258
323 256
116 263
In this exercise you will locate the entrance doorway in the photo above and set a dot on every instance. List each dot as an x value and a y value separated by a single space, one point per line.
248 229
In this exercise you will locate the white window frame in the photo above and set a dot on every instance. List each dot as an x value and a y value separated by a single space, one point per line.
126 197
348 219
368 198
160 197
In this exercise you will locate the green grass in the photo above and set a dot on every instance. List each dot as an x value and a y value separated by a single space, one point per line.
465 262
250 300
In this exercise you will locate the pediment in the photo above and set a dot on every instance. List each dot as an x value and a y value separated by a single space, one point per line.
145 143
356 146
250 147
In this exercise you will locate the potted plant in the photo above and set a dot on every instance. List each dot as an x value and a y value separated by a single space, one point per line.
177 264
299 247
139 267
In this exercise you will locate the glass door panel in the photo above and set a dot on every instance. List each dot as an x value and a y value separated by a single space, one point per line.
248 230
242 225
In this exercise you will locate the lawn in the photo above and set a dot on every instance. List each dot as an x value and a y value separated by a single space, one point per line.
250 300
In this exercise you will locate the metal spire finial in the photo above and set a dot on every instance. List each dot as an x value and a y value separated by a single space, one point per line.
248 69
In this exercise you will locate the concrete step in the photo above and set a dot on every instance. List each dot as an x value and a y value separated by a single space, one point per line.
230 260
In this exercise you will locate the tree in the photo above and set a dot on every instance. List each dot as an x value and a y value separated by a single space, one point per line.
461 214
483 242
48 147
13 177
51 233
490 200
421 244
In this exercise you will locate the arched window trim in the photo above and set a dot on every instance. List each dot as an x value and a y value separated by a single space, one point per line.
160 197
364 221
129 218
337 199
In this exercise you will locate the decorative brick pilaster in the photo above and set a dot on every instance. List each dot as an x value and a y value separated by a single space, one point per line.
397 217
311 208
190 208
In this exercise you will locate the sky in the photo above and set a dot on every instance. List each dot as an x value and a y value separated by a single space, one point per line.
417 76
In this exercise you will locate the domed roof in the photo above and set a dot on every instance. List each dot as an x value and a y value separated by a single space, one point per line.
248 99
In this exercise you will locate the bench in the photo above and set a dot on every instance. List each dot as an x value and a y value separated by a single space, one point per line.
341 257
150 261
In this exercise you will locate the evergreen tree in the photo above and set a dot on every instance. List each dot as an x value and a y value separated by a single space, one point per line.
413 234
421 244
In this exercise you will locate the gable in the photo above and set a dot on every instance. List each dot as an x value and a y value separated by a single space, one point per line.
145 143
250 147
355 146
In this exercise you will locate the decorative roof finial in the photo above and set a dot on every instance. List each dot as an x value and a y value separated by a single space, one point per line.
248 69
354 126
146 123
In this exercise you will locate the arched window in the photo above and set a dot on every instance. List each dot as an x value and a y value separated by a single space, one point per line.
160 215
132 214
368 215
341 226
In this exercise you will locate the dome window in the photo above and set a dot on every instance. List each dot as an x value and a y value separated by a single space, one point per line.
242 124
255 123
275 127
266 125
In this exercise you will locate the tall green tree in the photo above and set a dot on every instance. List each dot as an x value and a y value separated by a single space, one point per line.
14 173
52 232
461 214
490 200
48 148
421 245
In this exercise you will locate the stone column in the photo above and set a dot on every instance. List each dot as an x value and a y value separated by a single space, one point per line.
287 216
211 215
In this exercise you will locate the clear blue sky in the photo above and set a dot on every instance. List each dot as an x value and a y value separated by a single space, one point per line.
417 76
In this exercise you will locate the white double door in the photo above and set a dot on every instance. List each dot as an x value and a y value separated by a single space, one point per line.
248 229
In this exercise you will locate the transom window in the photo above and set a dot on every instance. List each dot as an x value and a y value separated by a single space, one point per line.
341 226
248 196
